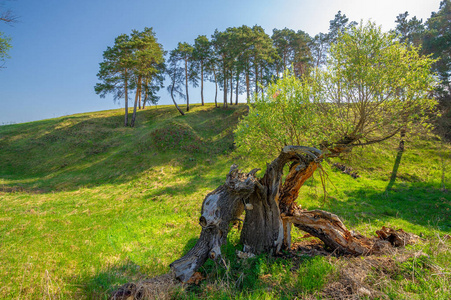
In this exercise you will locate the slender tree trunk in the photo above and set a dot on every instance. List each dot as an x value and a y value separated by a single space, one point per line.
186 84
144 101
146 82
126 99
256 79
247 87
175 103
237 85
202 82
284 62
231 89
225 87
216 88
138 93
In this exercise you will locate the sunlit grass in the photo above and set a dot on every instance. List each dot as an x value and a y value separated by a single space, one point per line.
87 205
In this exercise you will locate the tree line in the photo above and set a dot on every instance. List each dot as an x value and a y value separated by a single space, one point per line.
243 60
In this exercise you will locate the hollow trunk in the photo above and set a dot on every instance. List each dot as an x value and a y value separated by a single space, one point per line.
271 210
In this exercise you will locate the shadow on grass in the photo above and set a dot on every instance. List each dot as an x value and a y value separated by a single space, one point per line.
102 284
417 204
67 153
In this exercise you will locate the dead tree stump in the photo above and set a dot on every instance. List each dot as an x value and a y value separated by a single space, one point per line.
270 211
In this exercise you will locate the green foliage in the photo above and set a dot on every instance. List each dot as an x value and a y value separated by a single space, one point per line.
284 116
371 87
5 45
313 274
292 48
377 85
437 40
132 62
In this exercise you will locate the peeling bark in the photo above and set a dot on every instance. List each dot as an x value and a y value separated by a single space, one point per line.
219 208
271 211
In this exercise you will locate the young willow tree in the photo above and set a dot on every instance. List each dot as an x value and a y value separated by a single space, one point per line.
372 87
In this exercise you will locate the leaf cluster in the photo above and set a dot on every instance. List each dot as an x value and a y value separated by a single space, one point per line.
371 87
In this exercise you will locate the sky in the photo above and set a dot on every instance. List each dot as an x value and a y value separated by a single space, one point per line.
57 45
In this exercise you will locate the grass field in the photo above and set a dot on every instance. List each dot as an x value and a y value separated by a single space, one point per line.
87 205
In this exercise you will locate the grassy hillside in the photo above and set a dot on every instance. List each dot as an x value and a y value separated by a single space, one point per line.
87 205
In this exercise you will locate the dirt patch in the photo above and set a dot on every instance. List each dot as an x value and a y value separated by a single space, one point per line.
362 277
160 287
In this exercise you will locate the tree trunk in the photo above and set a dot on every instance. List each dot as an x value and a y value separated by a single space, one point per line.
271 210
247 88
225 89
216 88
144 101
219 208
256 79
237 85
126 99
202 82
186 84
138 92
231 89
175 103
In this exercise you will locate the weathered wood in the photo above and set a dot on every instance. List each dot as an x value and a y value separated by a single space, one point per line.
263 229
271 210
331 230
219 208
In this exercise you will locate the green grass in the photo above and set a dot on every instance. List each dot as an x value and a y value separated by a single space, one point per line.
87 205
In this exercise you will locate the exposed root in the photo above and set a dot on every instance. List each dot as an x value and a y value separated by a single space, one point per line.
331 230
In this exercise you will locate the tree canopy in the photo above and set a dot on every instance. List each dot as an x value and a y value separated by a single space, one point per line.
371 87
133 62
8 17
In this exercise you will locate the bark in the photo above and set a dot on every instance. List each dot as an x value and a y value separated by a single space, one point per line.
202 82
271 210
216 88
231 89
138 92
175 103
126 99
247 87
256 79
236 88
219 208
186 84
225 90
144 101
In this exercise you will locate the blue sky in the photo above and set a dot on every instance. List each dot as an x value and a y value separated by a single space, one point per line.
58 44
